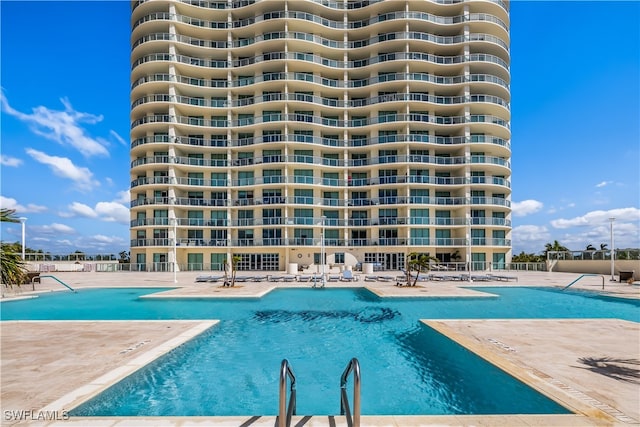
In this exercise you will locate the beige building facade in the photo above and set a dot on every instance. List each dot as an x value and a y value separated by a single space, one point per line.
287 131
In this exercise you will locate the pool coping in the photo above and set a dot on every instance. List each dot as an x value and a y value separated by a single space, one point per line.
394 420
553 388
586 410
84 393
585 413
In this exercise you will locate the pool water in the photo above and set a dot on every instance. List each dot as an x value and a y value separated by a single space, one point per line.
232 369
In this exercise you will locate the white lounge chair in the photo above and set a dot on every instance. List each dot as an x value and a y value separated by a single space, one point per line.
347 276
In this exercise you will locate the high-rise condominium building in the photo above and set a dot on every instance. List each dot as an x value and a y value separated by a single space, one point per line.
280 130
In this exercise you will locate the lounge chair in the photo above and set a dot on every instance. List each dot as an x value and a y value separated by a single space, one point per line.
275 278
214 278
347 276
289 278
385 278
370 278
258 278
201 279
333 278
503 278
304 278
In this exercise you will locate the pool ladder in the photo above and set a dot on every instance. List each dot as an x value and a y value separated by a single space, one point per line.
352 366
285 411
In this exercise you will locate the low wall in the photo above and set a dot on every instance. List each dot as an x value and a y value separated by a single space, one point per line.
597 267
68 266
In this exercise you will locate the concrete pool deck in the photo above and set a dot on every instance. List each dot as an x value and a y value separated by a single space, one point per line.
591 366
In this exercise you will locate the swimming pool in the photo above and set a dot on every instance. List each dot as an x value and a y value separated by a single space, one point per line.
407 368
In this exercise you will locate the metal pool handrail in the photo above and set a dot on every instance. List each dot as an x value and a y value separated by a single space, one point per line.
284 413
57 280
354 366
584 275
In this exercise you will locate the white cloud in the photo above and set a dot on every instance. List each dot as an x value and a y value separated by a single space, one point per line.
10 161
118 137
603 184
105 211
113 212
65 168
64 127
599 217
9 203
105 239
531 232
101 242
39 239
123 197
81 209
529 238
54 228
526 207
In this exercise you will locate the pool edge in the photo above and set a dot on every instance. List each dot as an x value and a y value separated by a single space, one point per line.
88 391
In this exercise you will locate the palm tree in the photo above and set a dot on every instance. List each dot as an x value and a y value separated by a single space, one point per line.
555 247
233 267
14 271
603 246
8 215
590 247
419 263
524 257
125 257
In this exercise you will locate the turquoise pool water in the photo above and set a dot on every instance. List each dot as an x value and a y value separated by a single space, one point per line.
232 369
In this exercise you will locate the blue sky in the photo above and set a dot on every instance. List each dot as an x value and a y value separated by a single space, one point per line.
575 122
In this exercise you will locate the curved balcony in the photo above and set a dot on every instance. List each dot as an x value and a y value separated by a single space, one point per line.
329 222
323 161
200 182
147 222
319 181
332 4
191 41
153 180
329 142
324 121
310 241
326 102
327 23
321 41
325 62
151 242
330 83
